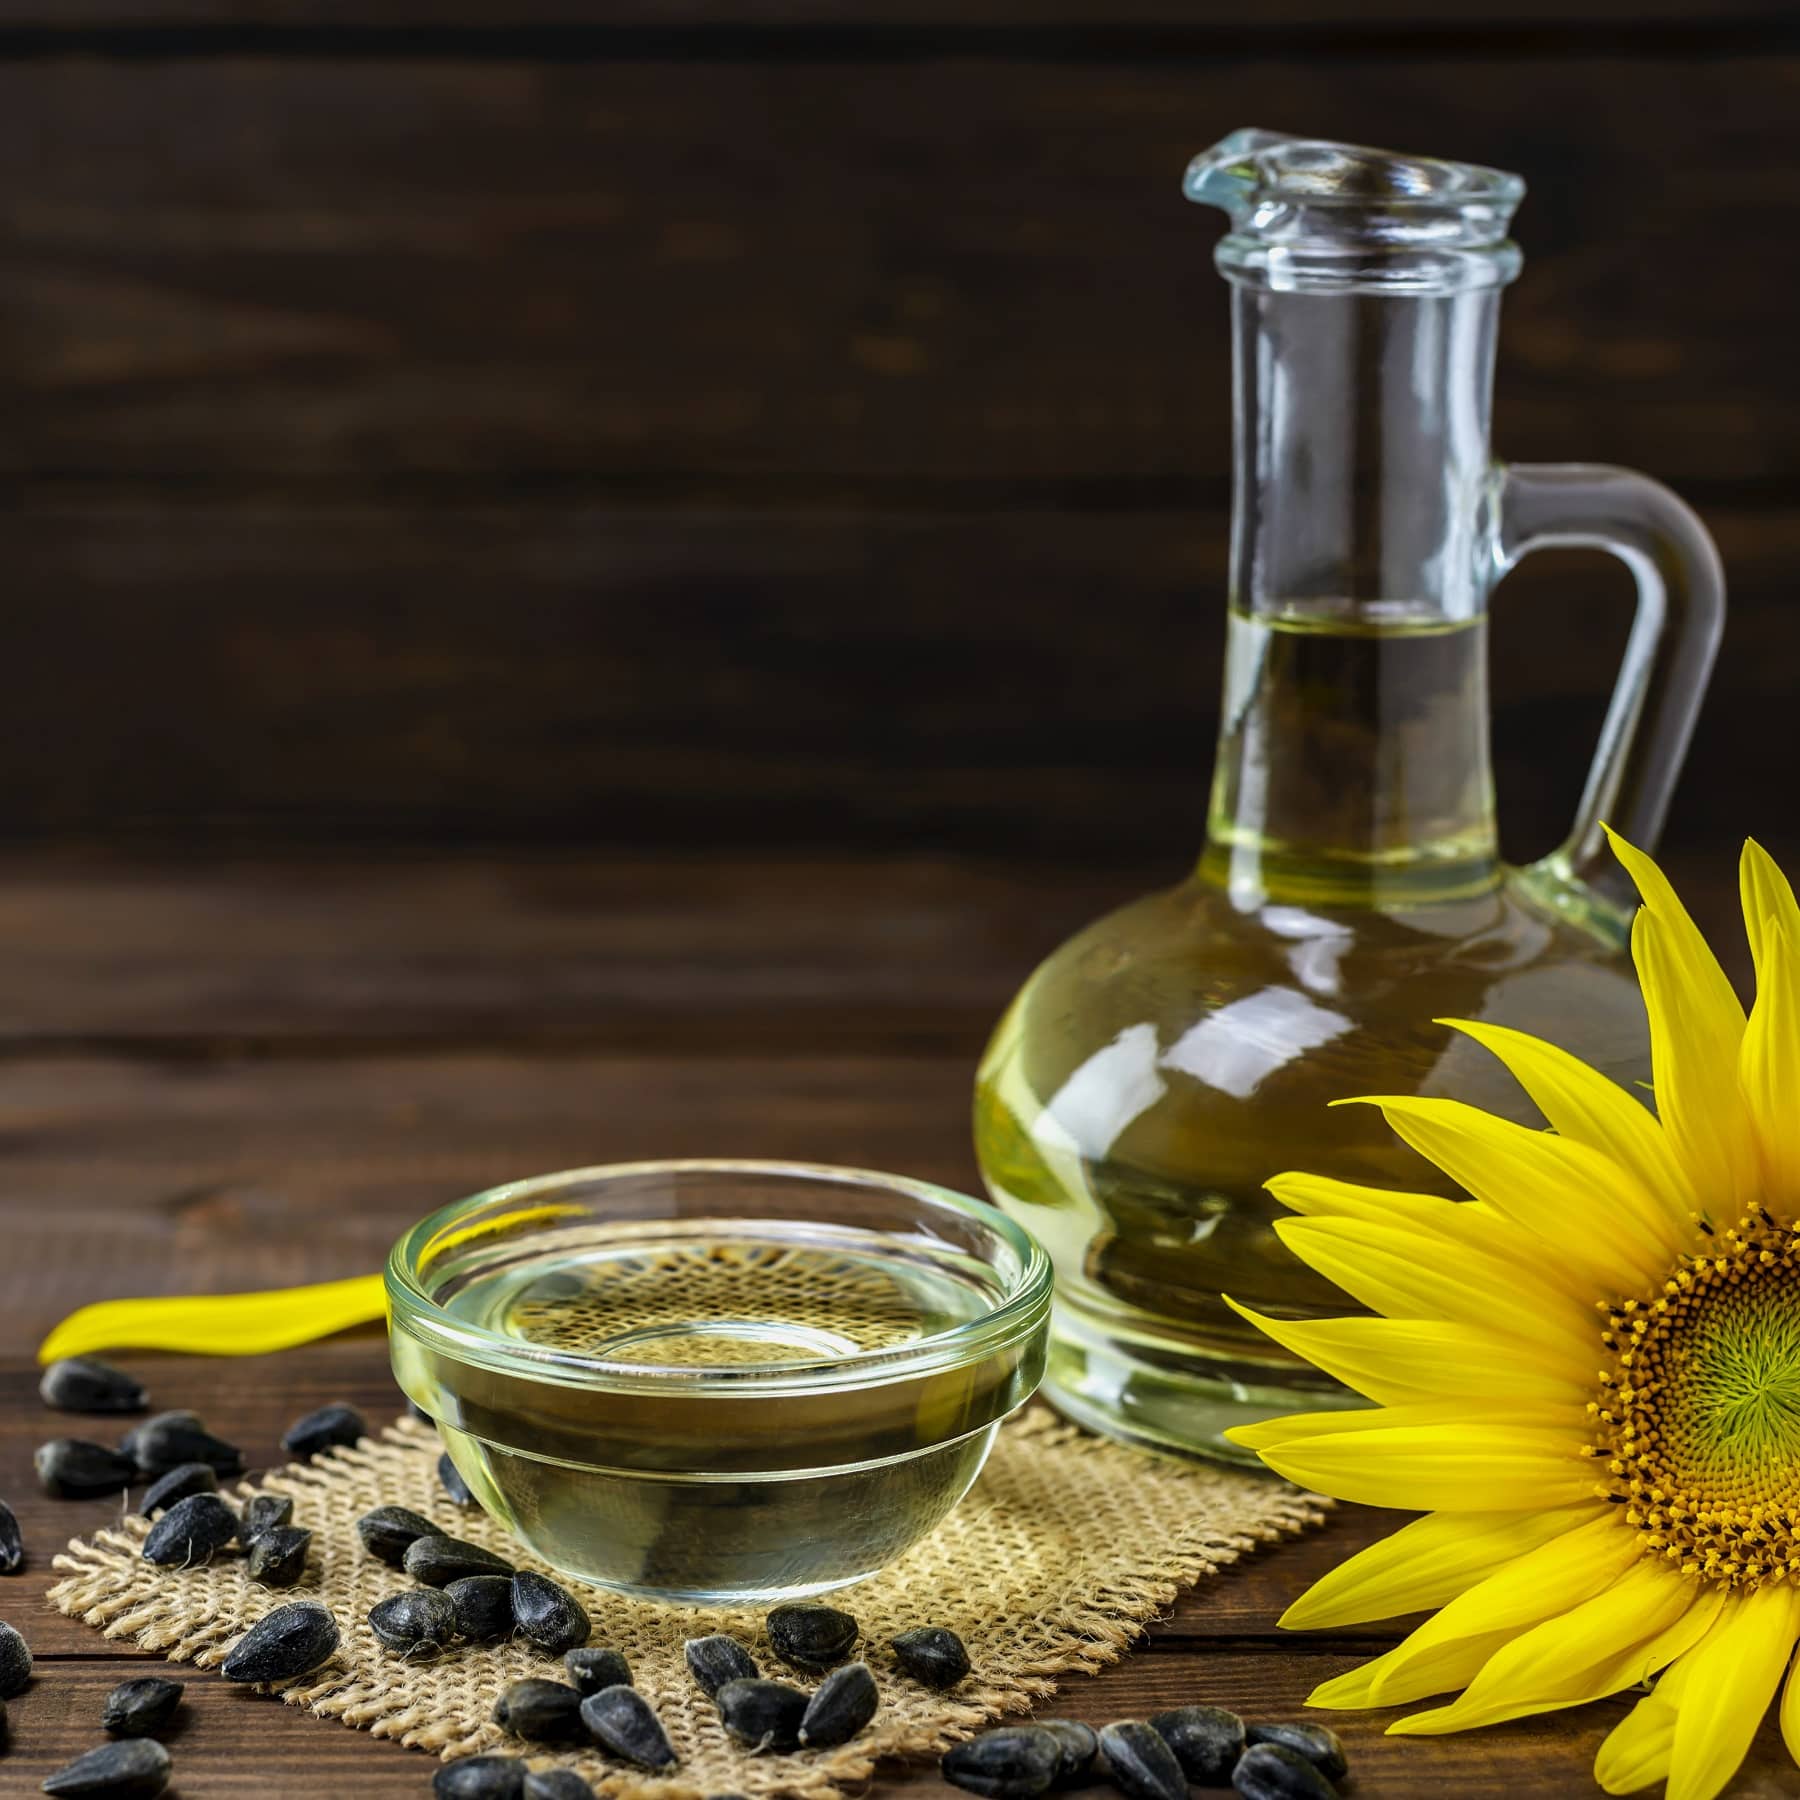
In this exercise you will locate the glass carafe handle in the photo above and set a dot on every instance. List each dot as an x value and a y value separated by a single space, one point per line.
1668 658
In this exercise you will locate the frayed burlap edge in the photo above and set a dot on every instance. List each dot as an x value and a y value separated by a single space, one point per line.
1065 1548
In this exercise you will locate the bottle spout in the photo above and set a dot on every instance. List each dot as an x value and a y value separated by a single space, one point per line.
1307 213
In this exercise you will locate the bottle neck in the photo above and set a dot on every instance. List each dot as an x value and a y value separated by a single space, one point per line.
1353 759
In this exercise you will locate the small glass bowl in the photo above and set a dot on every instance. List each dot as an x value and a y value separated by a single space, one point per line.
718 1381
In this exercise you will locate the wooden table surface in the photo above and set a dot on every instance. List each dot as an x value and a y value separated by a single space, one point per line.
257 1073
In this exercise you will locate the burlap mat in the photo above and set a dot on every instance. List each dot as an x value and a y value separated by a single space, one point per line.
1064 1548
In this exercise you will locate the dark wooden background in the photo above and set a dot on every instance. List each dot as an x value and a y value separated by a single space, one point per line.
796 423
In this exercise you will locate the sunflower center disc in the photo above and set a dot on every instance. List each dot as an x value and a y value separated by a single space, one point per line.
1699 1414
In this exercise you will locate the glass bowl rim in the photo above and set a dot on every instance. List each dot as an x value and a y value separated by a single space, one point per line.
1022 1312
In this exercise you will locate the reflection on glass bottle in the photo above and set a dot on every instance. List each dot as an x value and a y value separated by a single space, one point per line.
1155 1072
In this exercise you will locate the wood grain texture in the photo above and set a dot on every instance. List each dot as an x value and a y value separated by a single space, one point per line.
632 266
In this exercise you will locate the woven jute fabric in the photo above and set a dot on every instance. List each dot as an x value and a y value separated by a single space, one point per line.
1064 1548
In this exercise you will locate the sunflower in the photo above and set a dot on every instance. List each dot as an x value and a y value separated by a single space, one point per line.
1586 1376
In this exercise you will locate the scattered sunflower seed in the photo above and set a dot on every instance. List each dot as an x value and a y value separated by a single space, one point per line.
1274 1772
592 1670
15 1662
170 1439
550 1616
483 1605
1079 1747
1141 1765
480 1778
813 1638
331 1427
192 1531
1321 1747
74 1469
845 1702
390 1531
438 1561
1207 1741
83 1384
451 1481
933 1654
278 1556
620 1719
1015 1762
765 1715
264 1512
12 1542
283 1645
133 1769
715 1660
419 1623
181 1481
556 1784
141 1708
546 1712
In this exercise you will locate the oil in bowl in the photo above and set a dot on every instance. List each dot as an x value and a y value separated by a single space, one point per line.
715 1381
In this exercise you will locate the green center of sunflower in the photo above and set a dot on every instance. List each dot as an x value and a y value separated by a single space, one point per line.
1699 1415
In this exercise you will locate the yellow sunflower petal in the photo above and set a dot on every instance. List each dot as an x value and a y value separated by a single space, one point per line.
1769 1067
1571 1197
1790 1711
1396 1361
1582 1105
1647 1618
1636 1751
1428 1562
1717 1013
1767 894
1409 1275
1404 1674
1298 1428
1734 1672
1694 1072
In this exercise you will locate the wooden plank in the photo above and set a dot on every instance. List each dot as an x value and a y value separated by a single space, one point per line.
1034 683
933 266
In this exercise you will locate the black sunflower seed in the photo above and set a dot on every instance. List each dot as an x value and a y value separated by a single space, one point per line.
592 1670
765 1715
333 1427
933 1654
550 1616
1207 1741
620 1719
813 1638
278 1556
170 1439
74 1469
1320 1746
192 1531
438 1561
83 1384
12 1542
390 1531
1079 1747
451 1481
1140 1764
283 1645
264 1512
483 1605
1015 1762
556 1784
181 1481
1274 1772
546 1712
134 1769
845 1702
715 1660
480 1778
15 1662
419 1623
141 1708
